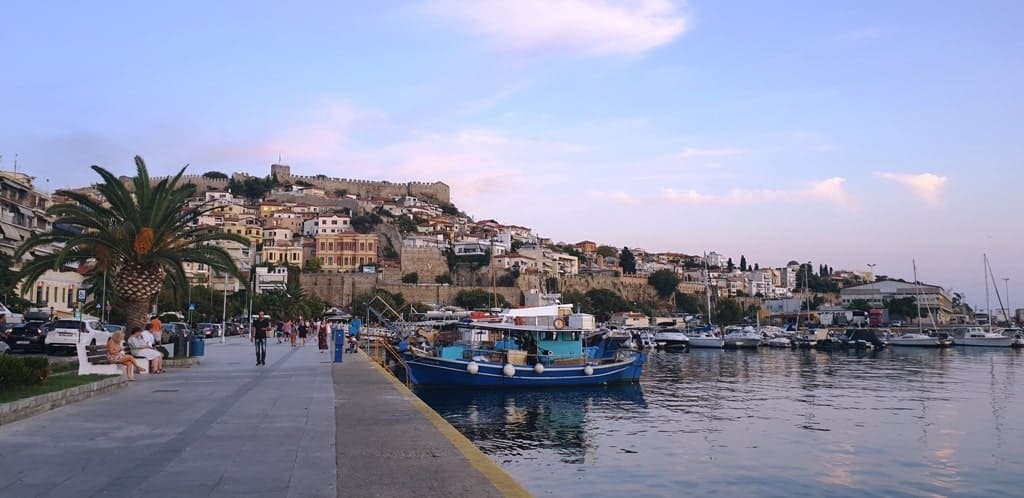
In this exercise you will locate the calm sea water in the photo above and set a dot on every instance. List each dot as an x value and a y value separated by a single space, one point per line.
900 422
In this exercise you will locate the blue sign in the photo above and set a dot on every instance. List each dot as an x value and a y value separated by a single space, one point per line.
191 306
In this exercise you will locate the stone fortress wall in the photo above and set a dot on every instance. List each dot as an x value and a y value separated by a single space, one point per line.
438 191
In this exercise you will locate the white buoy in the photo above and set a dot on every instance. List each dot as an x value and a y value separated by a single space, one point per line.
508 370
588 370
472 367
538 368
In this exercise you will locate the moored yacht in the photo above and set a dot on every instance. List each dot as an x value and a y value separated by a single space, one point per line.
706 337
977 336
671 339
1017 334
780 342
921 340
741 337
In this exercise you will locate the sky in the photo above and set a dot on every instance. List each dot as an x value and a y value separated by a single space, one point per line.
847 133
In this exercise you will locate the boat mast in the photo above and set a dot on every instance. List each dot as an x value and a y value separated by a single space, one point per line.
987 310
707 290
917 284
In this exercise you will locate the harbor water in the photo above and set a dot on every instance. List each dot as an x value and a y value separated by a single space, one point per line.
899 422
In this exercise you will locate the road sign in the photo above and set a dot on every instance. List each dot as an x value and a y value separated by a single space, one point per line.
81 295
191 306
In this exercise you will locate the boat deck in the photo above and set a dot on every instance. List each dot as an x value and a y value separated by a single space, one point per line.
389 443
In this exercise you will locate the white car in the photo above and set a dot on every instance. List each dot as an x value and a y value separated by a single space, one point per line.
10 316
67 333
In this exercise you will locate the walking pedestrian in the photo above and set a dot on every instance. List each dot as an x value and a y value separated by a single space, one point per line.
289 330
260 328
303 331
321 336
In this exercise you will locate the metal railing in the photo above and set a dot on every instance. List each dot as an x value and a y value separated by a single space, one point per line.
380 350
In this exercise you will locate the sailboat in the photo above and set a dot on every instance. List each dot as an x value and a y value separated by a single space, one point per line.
920 338
977 336
706 337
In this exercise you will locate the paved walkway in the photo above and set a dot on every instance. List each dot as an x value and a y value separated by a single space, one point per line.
390 444
294 428
225 428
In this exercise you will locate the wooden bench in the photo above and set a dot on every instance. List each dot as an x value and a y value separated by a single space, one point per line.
93 360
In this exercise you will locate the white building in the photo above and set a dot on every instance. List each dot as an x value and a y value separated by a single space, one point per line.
331 224
268 279
931 297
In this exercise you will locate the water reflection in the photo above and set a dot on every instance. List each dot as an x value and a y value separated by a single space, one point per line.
900 422
521 423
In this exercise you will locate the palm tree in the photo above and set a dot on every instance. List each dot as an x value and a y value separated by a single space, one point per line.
139 237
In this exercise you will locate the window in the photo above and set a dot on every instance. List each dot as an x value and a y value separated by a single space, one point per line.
330 246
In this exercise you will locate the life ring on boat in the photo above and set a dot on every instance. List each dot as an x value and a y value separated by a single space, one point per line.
519 320
558 323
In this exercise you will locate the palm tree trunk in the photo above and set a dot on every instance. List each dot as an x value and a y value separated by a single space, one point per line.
138 314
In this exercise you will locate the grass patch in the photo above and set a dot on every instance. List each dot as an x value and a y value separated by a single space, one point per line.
53 384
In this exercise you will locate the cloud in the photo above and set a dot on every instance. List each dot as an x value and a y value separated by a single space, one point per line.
692 152
588 27
927 186
831 190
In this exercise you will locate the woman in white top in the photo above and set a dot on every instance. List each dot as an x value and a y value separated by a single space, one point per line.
142 349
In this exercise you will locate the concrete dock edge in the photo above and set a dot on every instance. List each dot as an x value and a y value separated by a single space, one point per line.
498 477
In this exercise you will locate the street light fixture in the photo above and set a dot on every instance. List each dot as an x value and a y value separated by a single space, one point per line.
871 270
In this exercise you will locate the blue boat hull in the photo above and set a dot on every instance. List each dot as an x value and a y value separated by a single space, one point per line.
440 372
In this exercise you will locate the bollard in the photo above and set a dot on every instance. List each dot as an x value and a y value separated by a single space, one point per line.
339 344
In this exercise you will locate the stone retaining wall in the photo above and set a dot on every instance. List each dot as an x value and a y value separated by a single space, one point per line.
23 408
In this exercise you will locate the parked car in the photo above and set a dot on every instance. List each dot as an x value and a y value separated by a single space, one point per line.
10 316
208 329
29 336
4 348
113 329
174 329
67 333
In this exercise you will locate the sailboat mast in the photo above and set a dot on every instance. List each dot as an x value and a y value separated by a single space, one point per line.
917 284
987 310
707 288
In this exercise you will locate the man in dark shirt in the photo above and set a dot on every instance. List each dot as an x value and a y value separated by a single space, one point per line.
259 336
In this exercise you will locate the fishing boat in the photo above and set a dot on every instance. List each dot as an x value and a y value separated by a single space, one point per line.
671 339
741 337
977 336
529 347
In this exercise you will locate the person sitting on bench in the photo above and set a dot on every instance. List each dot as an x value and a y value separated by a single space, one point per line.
117 356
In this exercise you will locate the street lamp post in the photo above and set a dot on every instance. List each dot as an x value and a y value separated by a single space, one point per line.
224 312
871 270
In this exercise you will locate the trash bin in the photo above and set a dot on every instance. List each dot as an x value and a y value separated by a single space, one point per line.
180 346
197 345
339 344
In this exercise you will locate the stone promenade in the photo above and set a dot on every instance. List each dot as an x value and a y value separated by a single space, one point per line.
229 428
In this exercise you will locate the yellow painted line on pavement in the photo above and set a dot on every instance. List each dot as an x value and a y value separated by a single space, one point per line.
498 477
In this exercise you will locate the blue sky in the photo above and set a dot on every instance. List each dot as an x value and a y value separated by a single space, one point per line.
840 132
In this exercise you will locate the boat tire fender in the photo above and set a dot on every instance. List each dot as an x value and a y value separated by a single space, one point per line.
559 323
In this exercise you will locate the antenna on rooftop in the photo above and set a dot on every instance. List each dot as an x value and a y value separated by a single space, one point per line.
15 162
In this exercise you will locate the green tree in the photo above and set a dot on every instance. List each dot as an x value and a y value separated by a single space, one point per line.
479 298
728 311
406 224
627 261
443 279
365 223
664 281
411 278
729 266
604 302
743 263
605 251
141 239
860 305
311 265
689 303
904 307
215 175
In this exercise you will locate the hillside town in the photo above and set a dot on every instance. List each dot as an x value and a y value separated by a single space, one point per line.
343 240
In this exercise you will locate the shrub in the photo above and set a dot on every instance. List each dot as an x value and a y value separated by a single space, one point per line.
13 372
39 369
17 372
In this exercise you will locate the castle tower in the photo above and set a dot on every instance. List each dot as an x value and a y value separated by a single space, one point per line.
283 172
